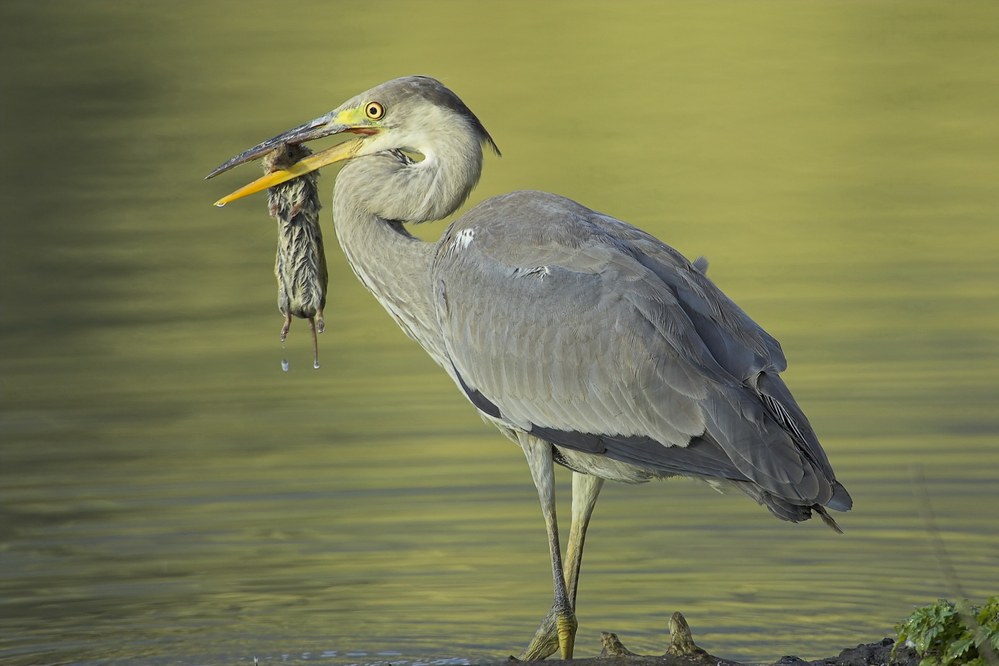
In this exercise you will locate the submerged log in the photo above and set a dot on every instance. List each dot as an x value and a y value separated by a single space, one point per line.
683 651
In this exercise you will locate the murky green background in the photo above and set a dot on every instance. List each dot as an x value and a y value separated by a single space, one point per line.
169 495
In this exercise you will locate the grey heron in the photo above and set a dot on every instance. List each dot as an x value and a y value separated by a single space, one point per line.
590 343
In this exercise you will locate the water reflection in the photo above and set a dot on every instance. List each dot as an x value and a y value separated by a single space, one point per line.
169 495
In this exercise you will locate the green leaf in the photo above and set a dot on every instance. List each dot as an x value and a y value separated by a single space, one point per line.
940 635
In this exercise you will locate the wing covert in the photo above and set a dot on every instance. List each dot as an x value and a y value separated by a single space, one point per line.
597 336
559 325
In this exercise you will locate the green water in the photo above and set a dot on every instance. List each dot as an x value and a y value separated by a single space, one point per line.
169 495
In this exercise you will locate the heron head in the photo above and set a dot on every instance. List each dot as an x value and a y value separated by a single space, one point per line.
409 113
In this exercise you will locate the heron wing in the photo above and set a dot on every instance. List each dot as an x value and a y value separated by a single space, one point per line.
600 338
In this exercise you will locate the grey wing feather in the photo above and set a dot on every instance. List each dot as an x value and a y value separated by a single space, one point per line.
602 339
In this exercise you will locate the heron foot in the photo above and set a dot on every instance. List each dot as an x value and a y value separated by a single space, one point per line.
557 633
567 634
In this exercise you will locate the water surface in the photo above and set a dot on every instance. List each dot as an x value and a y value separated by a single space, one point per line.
169 495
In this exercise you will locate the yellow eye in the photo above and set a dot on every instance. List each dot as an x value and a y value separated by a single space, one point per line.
374 110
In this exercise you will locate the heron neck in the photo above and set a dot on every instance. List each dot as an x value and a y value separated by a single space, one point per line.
393 265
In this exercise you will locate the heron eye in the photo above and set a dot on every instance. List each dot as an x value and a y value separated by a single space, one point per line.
374 110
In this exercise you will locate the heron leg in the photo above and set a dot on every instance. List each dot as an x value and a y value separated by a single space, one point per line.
539 458
585 489
287 325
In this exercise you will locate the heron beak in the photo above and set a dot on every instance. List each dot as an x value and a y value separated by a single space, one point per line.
335 122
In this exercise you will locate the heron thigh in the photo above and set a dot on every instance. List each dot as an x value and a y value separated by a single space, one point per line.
603 467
